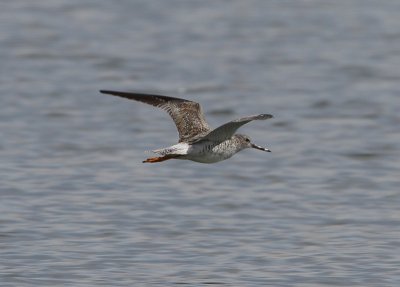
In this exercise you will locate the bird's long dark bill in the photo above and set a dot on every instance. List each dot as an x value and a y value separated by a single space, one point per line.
260 147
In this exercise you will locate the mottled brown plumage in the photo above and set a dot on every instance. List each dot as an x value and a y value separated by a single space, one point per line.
197 141
187 115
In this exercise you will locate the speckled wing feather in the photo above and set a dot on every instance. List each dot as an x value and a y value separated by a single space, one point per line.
187 115
226 131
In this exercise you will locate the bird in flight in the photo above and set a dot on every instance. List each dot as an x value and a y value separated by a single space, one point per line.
197 141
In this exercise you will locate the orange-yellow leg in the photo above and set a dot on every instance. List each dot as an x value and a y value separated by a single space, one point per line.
158 159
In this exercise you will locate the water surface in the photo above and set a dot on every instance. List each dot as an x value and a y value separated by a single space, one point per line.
80 209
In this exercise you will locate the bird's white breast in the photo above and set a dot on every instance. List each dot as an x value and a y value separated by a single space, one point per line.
207 152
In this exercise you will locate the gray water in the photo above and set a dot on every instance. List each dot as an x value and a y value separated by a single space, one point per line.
78 208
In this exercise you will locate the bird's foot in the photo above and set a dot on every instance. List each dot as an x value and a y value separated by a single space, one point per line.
157 159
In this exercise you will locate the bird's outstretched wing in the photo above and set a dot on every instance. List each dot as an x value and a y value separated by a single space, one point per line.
226 131
187 115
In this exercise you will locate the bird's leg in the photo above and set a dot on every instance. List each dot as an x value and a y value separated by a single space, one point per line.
158 159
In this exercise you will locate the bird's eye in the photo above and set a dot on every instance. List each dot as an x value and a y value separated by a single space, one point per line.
248 140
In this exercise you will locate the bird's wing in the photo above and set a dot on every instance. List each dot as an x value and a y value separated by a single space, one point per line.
226 131
187 115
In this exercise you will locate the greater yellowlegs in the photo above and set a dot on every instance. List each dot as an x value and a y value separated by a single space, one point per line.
197 141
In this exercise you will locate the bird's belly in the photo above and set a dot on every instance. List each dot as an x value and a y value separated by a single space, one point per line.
209 154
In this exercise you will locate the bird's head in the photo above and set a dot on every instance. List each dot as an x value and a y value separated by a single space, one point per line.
246 143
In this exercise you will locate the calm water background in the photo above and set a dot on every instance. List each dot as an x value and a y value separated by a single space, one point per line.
78 208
